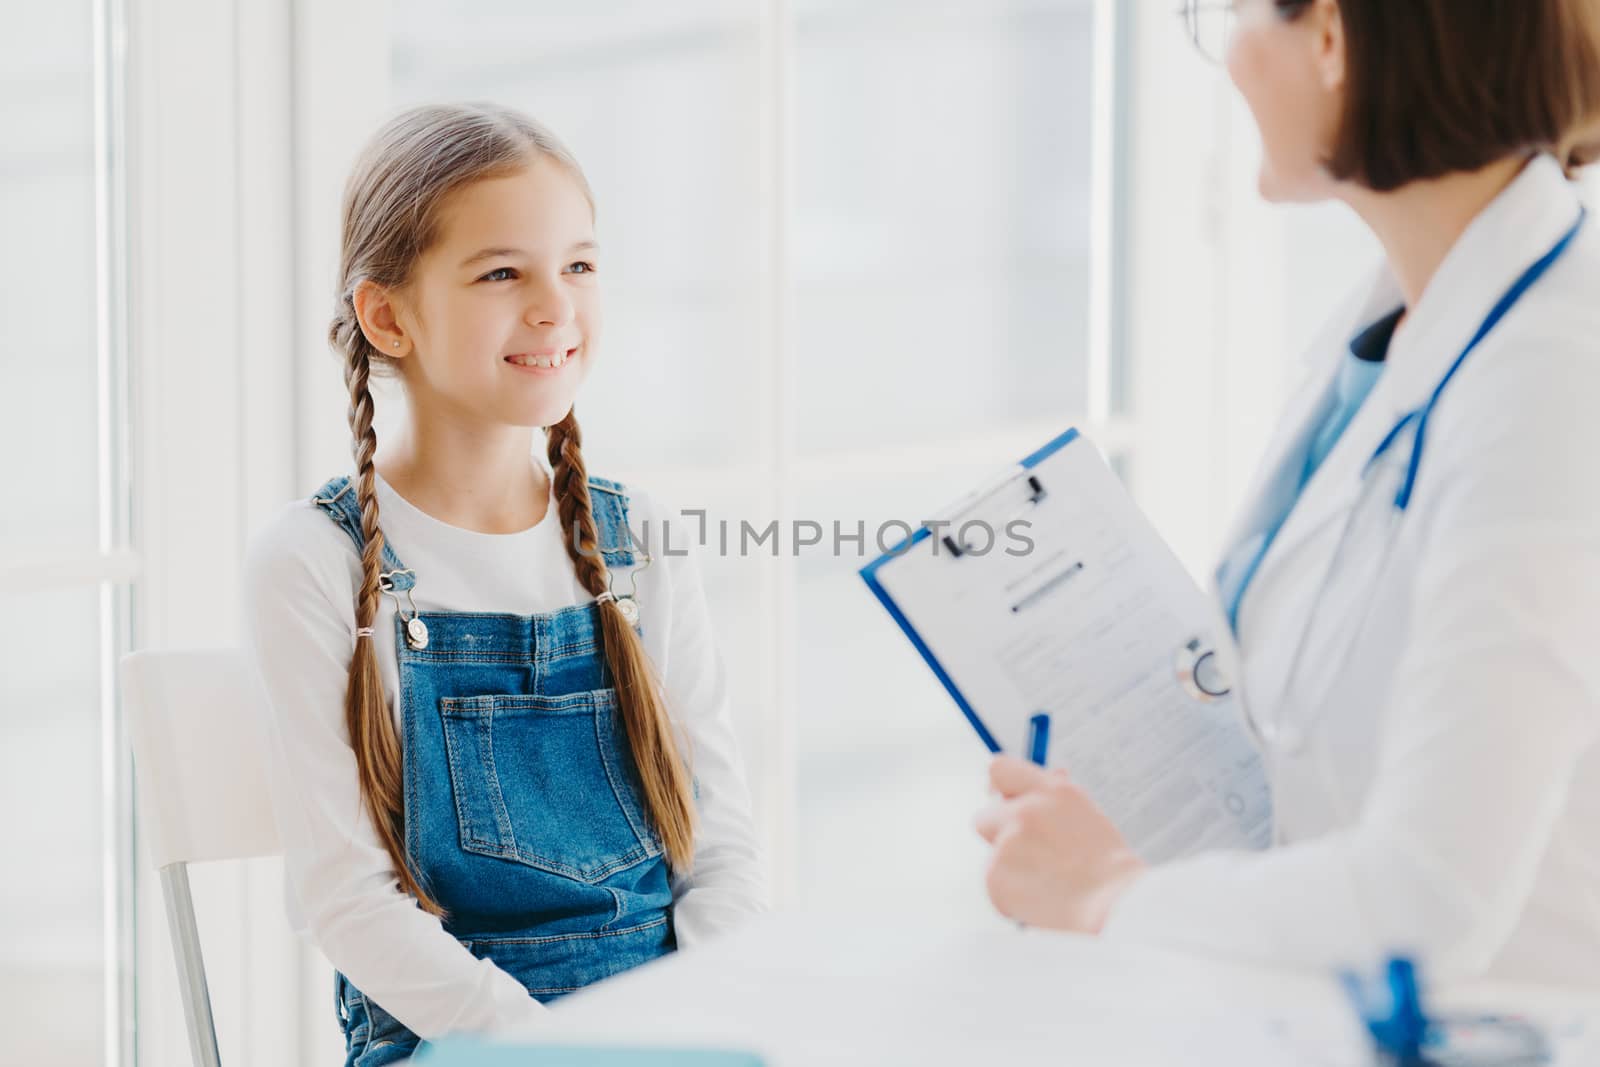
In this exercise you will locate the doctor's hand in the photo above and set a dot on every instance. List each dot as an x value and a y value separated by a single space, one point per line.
1057 860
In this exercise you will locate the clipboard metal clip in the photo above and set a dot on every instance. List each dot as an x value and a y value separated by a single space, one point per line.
959 546
1200 672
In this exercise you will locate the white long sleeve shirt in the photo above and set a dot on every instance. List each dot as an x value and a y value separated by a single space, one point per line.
301 576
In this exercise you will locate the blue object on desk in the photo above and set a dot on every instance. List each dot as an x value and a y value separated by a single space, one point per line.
1391 1007
470 1052
1039 738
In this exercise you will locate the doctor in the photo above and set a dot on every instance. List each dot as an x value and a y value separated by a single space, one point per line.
1415 583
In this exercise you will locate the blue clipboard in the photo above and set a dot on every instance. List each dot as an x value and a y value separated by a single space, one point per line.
870 572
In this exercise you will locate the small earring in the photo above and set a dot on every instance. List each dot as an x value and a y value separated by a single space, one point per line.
397 344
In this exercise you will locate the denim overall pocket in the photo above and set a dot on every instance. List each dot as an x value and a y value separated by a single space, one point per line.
547 781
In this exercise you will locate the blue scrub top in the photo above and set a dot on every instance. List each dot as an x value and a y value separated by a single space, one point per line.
1359 372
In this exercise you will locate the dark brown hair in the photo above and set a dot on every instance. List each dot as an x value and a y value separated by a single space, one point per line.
391 209
1435 87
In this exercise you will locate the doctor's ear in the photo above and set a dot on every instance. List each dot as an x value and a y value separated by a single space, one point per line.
378 311
1326 24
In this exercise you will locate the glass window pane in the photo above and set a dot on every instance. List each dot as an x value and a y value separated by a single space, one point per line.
660 104
941 239
52 972
937 248
705 520
941 268
889 772
47 278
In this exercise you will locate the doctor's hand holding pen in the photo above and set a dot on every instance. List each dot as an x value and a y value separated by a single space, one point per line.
1057 861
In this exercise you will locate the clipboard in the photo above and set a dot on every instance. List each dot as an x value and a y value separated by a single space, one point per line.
1089 618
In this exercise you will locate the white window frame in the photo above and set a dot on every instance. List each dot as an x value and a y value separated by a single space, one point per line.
114 568
212 446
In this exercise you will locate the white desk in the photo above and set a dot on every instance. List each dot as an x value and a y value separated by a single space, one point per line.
807 990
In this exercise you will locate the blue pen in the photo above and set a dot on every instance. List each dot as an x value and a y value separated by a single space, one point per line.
1038 750
1039 738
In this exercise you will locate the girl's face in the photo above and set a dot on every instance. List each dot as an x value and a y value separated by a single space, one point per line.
1291 74
503 312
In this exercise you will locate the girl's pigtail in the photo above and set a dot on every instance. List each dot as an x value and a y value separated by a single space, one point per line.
372 733
668 789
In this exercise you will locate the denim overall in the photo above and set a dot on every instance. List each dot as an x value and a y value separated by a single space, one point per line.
523 815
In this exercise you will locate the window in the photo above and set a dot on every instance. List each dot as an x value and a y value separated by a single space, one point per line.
850 268
65 571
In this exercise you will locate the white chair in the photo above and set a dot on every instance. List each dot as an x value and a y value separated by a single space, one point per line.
202 780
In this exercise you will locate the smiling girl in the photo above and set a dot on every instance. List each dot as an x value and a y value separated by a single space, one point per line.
500 751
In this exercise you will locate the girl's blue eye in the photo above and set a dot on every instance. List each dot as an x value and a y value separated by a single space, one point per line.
499 274
582 267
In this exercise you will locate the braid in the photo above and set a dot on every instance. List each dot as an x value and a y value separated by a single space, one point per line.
379 759
668 789
363 445
570 480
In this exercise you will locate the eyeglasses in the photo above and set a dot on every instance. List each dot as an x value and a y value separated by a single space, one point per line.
1210 24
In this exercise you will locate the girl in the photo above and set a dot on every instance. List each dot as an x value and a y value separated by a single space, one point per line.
1415 585
500 748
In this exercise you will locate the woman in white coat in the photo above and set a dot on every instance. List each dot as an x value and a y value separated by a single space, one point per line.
1415 583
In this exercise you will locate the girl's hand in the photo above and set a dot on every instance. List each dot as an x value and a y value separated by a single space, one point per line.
1057 861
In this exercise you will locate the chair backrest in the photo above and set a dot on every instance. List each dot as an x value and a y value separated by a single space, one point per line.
195 722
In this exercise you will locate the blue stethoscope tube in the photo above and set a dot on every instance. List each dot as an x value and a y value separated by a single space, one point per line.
1531 276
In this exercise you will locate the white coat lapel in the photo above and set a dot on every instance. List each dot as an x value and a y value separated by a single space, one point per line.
1284 459
1328 497
1283 454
